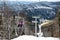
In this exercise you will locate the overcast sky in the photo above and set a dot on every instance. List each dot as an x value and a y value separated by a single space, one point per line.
36 0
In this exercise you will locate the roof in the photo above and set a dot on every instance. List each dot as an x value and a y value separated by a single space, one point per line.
47 23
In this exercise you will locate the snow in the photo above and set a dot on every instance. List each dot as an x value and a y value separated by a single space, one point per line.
30 37
43 7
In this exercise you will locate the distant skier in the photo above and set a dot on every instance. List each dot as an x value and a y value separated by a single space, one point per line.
20 24
20 27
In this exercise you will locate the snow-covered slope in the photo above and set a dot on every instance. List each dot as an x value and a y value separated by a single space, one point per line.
29 37
45 9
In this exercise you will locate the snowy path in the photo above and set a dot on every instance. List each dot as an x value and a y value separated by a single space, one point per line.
29 37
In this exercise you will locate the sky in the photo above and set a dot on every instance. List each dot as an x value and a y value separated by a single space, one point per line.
36 0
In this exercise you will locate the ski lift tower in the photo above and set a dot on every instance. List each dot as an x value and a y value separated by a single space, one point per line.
35 17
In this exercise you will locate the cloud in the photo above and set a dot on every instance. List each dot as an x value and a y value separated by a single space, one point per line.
33 0
50 0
